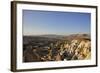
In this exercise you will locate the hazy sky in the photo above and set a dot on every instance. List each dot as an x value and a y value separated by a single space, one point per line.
52 22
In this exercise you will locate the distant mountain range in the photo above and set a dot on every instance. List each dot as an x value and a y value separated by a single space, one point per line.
52 36
79 36
72 36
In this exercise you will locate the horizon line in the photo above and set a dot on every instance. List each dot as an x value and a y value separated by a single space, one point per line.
54 34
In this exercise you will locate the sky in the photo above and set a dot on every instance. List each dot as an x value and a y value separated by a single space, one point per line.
54 22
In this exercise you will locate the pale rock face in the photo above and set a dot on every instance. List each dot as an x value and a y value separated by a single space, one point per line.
87 44
82 43
58 57
66 46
